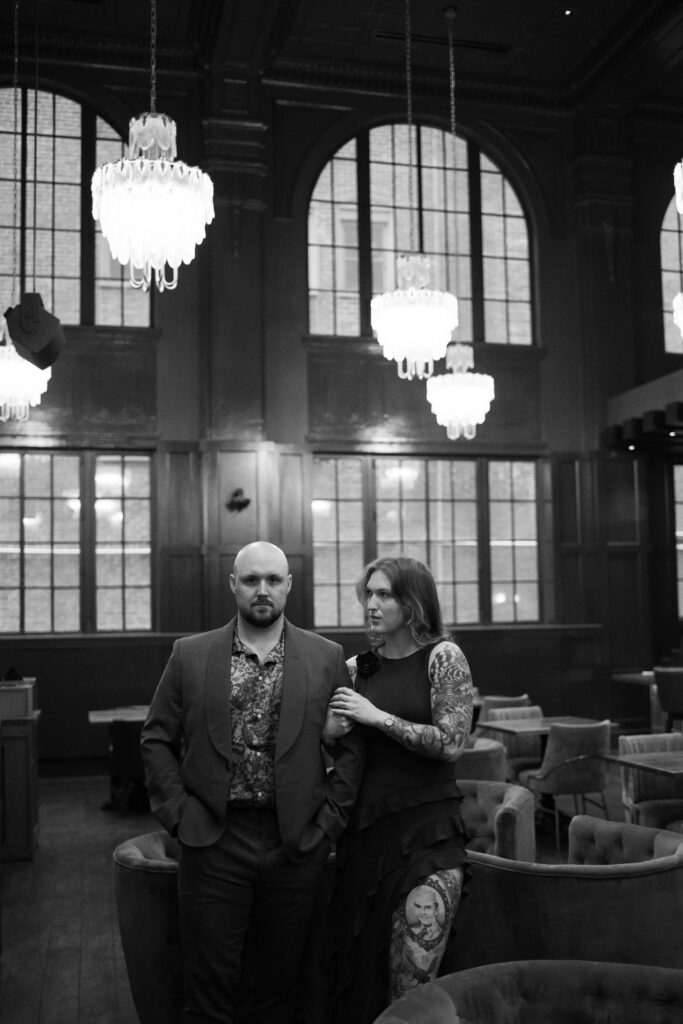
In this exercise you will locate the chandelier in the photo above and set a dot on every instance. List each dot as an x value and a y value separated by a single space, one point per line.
25 366
678 311
678 185
153 209
413 323
22 384
460 400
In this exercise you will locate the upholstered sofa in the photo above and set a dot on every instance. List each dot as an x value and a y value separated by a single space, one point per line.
619 898
546 992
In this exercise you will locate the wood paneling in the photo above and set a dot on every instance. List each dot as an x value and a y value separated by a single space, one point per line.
102 391
356 395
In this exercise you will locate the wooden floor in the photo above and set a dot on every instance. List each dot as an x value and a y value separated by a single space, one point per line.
61 960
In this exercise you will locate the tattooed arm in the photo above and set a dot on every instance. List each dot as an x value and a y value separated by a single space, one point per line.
451 702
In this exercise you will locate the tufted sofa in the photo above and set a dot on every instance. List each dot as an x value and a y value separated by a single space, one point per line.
499 818
619 898
546 992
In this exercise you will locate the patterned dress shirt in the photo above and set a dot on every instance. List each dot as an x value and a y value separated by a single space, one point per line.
254 714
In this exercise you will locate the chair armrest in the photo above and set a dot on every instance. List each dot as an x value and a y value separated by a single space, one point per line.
563 764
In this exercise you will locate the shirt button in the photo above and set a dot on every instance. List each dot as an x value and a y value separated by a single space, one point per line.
259 794
258 714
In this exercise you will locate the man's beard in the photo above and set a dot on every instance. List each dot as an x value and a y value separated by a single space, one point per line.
261 615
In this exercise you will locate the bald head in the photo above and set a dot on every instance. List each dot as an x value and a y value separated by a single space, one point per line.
259 552
260 581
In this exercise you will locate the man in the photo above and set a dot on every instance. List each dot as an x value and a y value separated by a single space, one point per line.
235 770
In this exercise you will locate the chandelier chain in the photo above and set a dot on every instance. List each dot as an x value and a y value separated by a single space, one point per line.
450 16
409 106
15 158
35 148
153 62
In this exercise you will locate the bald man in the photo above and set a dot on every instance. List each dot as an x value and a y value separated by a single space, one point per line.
235 769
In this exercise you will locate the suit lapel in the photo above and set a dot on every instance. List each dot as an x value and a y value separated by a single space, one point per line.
294 691
217 690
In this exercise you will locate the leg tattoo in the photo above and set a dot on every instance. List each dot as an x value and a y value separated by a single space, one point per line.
419 930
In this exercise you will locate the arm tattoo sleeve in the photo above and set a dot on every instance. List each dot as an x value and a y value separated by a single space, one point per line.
451 700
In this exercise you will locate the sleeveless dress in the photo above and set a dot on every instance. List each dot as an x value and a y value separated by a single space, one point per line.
406 824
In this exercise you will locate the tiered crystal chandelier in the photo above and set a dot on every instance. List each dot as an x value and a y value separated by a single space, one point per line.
153 209
460 400
413 323
22 382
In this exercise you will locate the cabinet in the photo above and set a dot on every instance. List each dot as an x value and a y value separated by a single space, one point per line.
19 781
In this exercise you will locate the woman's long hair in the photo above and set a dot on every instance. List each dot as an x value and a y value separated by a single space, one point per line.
413 586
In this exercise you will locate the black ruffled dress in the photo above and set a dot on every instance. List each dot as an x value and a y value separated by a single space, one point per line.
406 824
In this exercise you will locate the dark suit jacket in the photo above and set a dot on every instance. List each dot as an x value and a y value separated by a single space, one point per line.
190 712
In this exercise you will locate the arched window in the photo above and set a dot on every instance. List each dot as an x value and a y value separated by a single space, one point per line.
70 261
671 249
456 206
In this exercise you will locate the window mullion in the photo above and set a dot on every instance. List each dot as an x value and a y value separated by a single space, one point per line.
484 533
88 543
476 258
364 229
88 133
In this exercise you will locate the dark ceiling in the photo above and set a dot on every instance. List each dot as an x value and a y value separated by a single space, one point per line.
623 52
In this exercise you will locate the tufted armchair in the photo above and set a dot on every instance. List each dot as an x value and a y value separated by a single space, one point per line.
499 818
145 886
619 897
541 991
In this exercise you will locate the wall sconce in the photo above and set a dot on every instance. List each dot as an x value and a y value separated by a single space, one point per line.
237 501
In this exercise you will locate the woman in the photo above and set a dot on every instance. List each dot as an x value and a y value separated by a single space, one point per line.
402 858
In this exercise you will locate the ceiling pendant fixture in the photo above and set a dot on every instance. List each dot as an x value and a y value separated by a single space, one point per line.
22 384
153 209
413 323
678 185
460 400
678 311
25 359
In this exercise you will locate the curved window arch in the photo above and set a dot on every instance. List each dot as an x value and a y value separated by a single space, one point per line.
456 206
671 252
70 261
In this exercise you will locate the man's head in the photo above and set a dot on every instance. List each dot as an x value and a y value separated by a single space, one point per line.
260 581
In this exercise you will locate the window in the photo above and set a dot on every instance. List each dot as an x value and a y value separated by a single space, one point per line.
47 224
472 521
454 205
75 542
671 250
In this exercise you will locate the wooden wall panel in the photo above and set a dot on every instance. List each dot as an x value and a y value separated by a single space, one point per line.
102 391
179 537
355 395
78 674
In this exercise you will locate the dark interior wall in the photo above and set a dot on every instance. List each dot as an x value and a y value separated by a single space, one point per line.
230 393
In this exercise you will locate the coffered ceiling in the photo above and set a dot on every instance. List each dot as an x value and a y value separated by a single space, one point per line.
624 52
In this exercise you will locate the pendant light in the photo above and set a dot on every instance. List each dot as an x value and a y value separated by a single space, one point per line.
413 323
24 373
460 400
153 209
